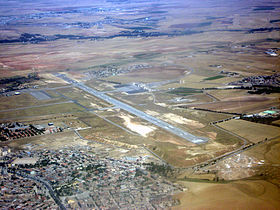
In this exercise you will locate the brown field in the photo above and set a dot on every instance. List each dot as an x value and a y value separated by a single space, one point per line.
49 79
24 100
181 153
269 152
100 85
50 141
222 41
277 122
39 111
162 73
75 123
243 104
248 194
224 94
86 54
261 192
254 132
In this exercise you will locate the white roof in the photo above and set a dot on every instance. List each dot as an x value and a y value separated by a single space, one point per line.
27 160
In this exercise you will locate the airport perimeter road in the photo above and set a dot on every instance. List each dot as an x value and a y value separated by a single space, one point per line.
164 125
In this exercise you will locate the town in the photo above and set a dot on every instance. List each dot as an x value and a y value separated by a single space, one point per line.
259 84
139 104
83 177
108 71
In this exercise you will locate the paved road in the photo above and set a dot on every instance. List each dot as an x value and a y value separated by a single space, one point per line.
47 185
162 160
212 97
166 126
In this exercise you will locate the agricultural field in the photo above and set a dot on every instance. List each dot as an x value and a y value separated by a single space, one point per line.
249 194
254 132
241 104
277 122
25 100
58 140
215 77
185 91
152 76
67 107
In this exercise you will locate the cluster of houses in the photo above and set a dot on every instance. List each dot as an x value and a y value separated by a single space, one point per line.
16 130
266 117
17 192
230 73
113 71
4 151
267 113
21 193
255 81
272 52
85 177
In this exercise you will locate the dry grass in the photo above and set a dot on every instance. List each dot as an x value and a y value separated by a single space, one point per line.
170 58
223 94
242 104
269 152
84 98
246 194
50 141
39 111
254 132
276 122
236 195
24 100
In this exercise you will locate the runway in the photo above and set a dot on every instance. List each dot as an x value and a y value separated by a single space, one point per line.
162 124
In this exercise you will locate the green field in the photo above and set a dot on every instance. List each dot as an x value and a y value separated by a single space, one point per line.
215 77
182 91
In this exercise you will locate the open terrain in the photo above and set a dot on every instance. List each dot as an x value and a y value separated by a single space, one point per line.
152 78
248 194
252 182
254 132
